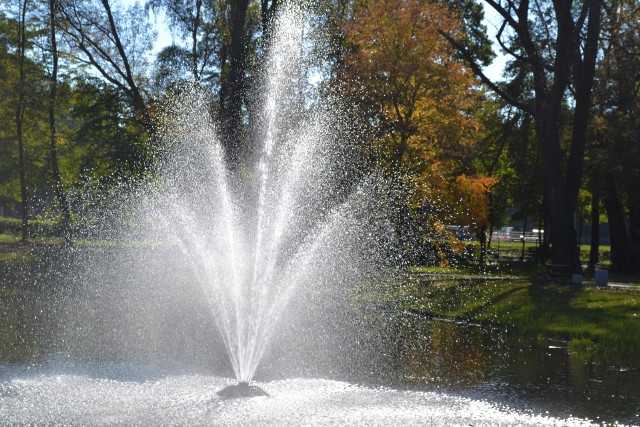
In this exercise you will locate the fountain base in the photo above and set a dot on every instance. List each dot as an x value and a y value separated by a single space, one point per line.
242 389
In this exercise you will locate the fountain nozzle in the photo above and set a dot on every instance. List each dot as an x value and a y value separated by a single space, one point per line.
242 389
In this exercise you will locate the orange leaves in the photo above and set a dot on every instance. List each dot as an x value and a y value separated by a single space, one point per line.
406 76
463 199
473 192
418 96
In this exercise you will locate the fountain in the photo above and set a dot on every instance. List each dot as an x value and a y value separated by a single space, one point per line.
259 268
300 220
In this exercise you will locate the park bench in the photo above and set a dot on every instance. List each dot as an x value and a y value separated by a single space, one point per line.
559 272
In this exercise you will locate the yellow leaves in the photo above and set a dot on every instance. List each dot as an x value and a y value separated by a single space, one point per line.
400 54
11 188
463 199
473 192
409 83
61 140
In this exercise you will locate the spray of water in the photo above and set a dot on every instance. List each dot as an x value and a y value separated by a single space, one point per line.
303 217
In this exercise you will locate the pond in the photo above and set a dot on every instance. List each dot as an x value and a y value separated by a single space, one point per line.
81 361
543 377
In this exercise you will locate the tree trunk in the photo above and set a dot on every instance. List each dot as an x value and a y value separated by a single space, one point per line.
544 251
140 109
580 224
194 40
53 149
267 10
562 234
232 92
483 245
548 109
490 239
617 228
549 88
634 238
19 119
562 194
584 70
524 230
594 254
583 74
633 204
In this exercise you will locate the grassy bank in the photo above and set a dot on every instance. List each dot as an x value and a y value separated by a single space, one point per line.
604 323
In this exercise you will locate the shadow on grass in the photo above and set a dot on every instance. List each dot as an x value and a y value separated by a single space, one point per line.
504 296
581 314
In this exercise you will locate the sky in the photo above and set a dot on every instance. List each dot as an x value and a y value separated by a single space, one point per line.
492 21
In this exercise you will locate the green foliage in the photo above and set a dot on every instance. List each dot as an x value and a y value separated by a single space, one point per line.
476 41
614 152
196 54
103 139
34 118
414 90
605 320
97 137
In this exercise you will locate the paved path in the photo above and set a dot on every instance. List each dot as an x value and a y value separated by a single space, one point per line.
624 285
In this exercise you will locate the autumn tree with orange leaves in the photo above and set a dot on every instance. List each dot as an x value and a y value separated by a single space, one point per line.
418 97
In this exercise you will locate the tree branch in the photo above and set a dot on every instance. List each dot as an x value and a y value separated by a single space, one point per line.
478 72
504 46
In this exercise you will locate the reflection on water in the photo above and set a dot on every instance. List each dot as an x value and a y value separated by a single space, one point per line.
41 324
456 356
26 322
542 377
96 305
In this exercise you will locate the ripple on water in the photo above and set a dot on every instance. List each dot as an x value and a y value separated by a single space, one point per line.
192 400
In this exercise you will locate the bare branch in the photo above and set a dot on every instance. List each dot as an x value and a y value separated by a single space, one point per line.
478 72
504 46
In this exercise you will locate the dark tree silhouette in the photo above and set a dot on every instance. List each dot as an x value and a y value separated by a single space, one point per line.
560 55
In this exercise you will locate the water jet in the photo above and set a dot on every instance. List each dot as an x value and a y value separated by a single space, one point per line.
307 219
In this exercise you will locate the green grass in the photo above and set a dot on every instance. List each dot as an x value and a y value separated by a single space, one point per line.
12 254
466 269
7 257
603 321
9 238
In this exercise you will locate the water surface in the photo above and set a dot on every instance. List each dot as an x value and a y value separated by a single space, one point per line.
364 365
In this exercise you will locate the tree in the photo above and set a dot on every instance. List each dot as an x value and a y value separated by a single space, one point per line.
105 142
115 44
202 26
418 98
23 114
232 89
268 9
224 39
492 152
616 129
53 145
19 116
557 44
